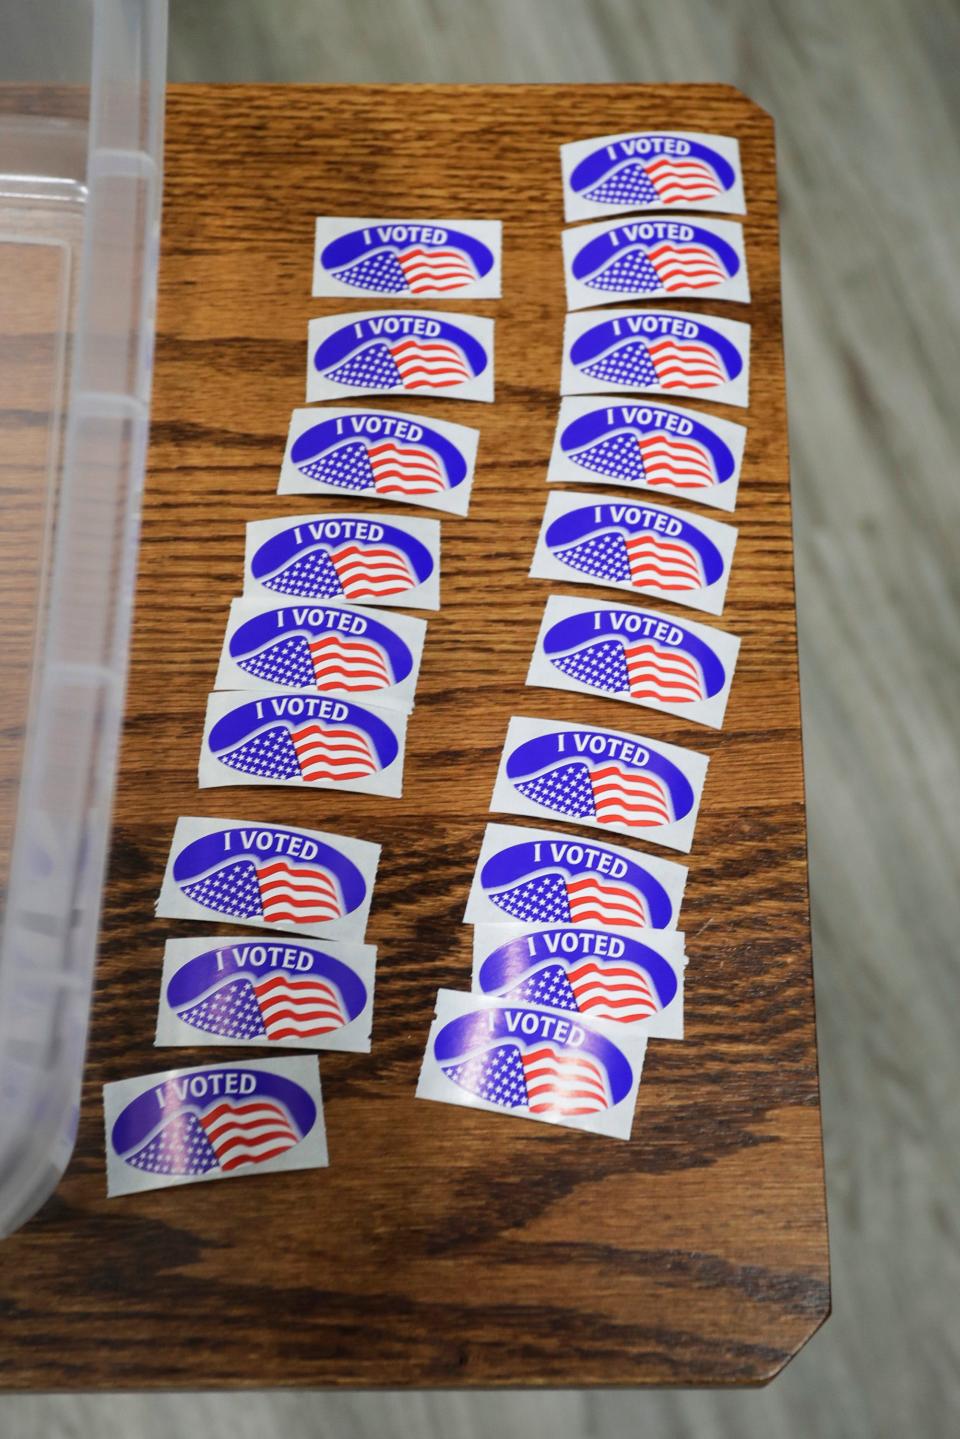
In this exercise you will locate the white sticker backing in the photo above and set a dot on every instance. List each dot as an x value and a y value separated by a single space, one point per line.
651 170
646 259
380 454
214 1121
541 876
358 558
636 655
332 649
608 975
627 544
601 779
418 259
400 352
648 446
302 881
310 740
661 351
531 1063
295 994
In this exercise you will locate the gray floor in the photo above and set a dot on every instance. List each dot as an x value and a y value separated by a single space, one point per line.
866 99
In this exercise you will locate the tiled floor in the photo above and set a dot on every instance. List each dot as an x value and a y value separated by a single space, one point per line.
867 103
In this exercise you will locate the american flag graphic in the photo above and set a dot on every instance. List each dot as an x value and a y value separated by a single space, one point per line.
667 267
312 753
663 180
607 792
408 364
227 1136
274 1008
414 271
654 459
619 992
641 670
643 561
553 899
353 571
666 364
326 663
277 892
387 468
539 1079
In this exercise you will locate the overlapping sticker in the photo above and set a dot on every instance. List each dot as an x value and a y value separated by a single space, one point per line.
241 991
540 876
651 170
531 1063
318 741
601 778
303 881
641 548
400 352
381 454
333 649
357 558
647 258
215 1121
648 446
664 351
635 655
424 259
608 975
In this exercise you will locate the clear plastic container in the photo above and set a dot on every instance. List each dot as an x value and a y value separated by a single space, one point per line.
81 133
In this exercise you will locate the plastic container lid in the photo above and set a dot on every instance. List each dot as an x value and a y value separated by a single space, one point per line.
80 183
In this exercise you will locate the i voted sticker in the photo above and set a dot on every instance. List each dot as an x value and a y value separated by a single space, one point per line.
636 655
271 877
380 454
301 739
600 778
531 1063
423 259
644 259
400 352
665 351
332 649
345 557
216 1121
242 991
651 170
644 549
539 876
607 975
647 446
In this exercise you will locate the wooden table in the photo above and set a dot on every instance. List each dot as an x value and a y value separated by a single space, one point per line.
443 1247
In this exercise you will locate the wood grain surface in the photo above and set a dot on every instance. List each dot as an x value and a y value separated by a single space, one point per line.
442 1247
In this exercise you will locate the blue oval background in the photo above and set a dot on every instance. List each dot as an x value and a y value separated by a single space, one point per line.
575 629
531 756
599 162
603 336
239 723
143 1115
196 977
209 851
486 1027
326 436
254 633
512 962
345 341
580 523
608 419
596 252
519 861
352 245
284 546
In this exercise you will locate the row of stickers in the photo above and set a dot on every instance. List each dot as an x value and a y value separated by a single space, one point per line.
299 662
308 656
590 964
